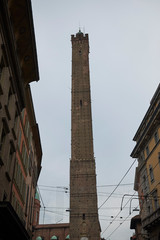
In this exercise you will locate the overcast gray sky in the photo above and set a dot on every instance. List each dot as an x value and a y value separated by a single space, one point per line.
124 37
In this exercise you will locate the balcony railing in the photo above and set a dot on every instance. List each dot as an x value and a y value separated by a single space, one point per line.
151 220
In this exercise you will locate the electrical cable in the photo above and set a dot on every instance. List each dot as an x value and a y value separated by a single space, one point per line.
115 189
118 184
102 194
67 188
129 200
118 214
117 227
113 185
49 186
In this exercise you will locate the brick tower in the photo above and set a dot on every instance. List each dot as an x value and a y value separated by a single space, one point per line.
84 223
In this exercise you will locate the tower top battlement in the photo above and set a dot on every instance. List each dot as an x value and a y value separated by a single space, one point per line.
79 36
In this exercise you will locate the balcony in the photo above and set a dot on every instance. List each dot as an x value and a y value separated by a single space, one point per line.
151 220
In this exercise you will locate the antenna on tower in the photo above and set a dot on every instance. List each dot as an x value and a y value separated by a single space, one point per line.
79 27
84 30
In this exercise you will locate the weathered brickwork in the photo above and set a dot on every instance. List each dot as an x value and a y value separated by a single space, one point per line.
51 231
84 221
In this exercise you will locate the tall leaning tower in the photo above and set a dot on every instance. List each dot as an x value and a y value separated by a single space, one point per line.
84 223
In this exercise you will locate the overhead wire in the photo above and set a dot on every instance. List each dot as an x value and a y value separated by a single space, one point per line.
117 227
99 186
117 184
113 185
114 190
118 214
130 199
102 194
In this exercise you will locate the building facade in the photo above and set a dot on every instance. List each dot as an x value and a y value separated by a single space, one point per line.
20 146
52 232
84 222
147 177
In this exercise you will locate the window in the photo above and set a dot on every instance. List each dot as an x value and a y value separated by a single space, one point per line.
16 170
13 199
149 209
1 66
19 138
144 182
31 208
143 157
24 156
10 102
4 196
159 158
81 103
11 153
27 197
151 173
24 189
23 151
16 122
22 113
18 175
30 138
9 96
34 175
156 137
37 217
30 161
26 127
155 198
4 132
147 151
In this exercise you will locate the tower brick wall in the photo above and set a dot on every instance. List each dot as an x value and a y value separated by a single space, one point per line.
84 223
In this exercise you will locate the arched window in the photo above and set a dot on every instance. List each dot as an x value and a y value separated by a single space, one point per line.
39 238
54 237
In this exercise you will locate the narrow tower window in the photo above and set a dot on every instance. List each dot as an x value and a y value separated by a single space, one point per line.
81 103
84 217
